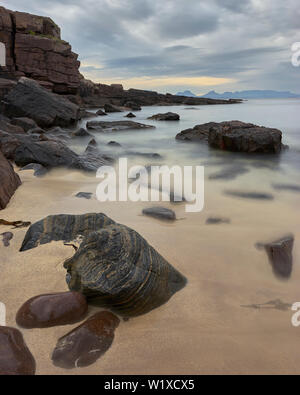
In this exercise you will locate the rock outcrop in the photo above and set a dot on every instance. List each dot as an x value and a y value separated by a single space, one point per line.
9 181
34 49
236 136
47 109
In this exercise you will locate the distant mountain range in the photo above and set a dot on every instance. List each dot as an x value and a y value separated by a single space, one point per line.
251 94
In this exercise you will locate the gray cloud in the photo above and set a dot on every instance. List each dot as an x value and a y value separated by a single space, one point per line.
248 40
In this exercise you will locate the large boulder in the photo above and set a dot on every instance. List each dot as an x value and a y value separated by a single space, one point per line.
29 99
245 137
10 181
114 266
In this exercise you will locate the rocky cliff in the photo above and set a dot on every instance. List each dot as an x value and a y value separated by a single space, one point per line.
34 49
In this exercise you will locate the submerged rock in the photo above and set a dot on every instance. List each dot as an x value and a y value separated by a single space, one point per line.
287 187
84 345
46 311
84 195
280 253
9 181
217 221
114 266
15 357
229 173
6 237
116 126
160 213
249 195
169 116
47 109
101 113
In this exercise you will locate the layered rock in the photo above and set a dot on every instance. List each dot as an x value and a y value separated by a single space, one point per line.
114 266
10 181
29 99
34 49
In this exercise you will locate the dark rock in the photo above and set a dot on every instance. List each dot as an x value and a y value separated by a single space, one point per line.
6 237
130 115
196 134
229 173
287 187
160 213
114 266
24 123
15 357
116 126
114 143
110 108
250 195
39 170
56 154
10 181
101 113
81 133
7 126
46 311
169 116
244 137
29 99
217 221
84 195
84 345
280 253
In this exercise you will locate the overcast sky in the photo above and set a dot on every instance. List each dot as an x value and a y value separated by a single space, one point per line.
172 45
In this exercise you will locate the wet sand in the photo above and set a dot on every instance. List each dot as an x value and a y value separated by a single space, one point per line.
203 328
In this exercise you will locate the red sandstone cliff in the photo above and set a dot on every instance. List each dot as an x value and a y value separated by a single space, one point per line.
34 49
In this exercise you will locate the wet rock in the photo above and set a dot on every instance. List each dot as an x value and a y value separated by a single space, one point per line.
101 113
10 181
114 266
29 99
280 253
84 195
86 344
114 143
287 187
24 123
81 133
46 311
169 116
130 115
15 357
196 134
108 108
133 106
116 126
160 213
39 170
244 137
6 237
217 221
249 195
229 173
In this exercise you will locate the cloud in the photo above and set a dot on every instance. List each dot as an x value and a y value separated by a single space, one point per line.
245 43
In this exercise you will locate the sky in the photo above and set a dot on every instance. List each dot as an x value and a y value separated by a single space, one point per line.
174 45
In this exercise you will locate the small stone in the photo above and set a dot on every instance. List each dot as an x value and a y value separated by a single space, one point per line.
114 143
160 213
15 357
84 195
46 311
86 344
130 115
101 113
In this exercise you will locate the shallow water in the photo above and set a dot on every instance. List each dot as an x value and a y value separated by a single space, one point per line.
212 326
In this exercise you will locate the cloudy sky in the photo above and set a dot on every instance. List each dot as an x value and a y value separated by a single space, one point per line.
172 45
